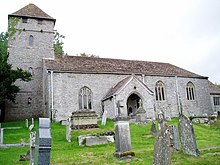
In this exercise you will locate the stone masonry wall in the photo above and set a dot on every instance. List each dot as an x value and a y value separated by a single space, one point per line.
67 86
24 56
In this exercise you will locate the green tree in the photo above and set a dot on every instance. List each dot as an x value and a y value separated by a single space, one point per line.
87 55
8 76
58 44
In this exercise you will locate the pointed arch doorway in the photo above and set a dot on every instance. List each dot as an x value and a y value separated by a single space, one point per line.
132 104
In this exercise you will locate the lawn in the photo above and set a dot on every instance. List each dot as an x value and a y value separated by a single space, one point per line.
65 153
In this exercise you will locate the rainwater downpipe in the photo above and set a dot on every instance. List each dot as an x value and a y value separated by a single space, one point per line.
115 108
177 94
51 85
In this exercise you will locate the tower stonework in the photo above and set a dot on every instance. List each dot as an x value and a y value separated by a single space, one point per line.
28 46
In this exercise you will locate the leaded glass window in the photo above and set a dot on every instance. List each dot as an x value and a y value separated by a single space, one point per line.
85 99
160 91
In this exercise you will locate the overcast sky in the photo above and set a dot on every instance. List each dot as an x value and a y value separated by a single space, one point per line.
185 33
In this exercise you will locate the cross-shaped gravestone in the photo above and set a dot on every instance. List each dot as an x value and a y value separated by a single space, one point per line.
32 147
68 130
119 107
160 120
141 113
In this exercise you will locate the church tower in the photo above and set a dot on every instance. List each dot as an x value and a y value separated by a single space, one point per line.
31 42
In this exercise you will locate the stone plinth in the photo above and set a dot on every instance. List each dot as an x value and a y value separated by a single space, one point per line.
84 120
122 136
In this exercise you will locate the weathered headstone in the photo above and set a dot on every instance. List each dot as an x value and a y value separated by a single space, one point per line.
153 129
31 127
26 123
141 113
1 135
104 117
160 120
32 121
122 136
162 152
174 138
187 136
68 131
32 147
43 142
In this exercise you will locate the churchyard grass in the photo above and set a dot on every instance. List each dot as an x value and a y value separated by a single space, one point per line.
65 153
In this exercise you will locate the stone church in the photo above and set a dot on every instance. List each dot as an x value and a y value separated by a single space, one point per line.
66 84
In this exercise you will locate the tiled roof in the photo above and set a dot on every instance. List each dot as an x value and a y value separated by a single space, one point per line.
106 65
32 11
122 84
213 88
118 86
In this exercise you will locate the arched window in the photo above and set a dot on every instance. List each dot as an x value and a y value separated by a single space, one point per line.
30 70
85 99
190 91
31 40
160 91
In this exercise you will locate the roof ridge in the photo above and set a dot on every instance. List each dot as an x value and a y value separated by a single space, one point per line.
32 11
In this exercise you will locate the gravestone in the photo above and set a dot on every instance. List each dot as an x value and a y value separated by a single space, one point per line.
104 117
160 120
174 138
32 121
122 136
26 123
162 152
32 147
43 142
1 135
141 113
153 129
68 131
187 136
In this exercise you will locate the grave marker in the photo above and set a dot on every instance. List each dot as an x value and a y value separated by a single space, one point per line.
153 129
162 152
174 138
32 121
122 136
187 136
104 117
160 120
1 135
32 147
68 130
26 123
141 113
43 142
